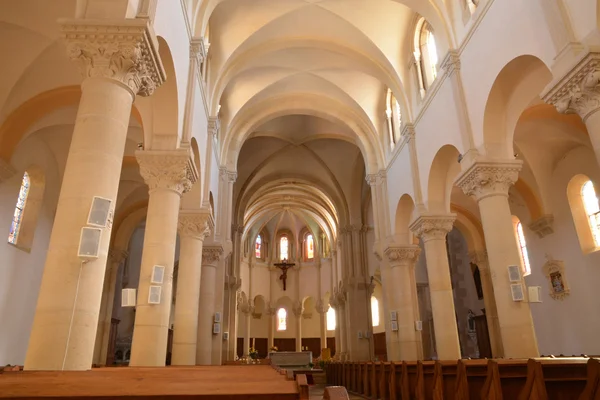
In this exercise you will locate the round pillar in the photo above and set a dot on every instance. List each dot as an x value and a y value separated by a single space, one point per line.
489 182
115 69
167 174
432 229
405 340
194 227
206 315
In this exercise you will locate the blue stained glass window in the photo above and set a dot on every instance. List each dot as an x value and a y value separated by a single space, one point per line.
13 236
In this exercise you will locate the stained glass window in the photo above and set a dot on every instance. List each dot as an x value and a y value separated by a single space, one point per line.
592 209
257 246
13 236
310 247
283 248
523 246
281 319
432 52
375 310
331 319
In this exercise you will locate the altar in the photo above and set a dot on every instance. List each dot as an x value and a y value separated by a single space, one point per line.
291 359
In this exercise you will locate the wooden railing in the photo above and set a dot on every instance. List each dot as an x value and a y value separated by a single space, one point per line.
534 379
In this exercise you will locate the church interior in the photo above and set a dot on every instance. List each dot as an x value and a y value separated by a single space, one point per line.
383 188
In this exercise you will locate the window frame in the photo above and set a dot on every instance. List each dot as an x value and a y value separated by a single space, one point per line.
331 319
523 255
375 318
280 318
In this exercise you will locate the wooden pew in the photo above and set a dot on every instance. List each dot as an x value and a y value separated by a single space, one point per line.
335 393
555 379
592 387
302 386
470 379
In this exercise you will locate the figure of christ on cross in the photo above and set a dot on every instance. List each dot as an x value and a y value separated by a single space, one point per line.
284 266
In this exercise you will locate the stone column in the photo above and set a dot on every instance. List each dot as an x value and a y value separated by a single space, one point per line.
322 309
341 316
480 259
115 258
338 336
168 174
272 313
194 227
118 62
298 315
432 229
488 182
210 259
406 340
247 310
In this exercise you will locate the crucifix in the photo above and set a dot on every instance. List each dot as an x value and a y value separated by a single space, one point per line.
284 266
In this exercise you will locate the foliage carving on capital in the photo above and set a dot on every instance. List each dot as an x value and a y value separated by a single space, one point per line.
297 309
229 176
214 126
408 131
429 227
127 53
479 258
166 170
211 254
198 224
483 179
543 226
117 256
321 306
197 50
451 62
579 91
402 255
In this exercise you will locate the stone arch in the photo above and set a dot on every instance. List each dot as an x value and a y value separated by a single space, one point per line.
193 198
18 122
165 131
470 228
404 216
444 170
251 117
516 86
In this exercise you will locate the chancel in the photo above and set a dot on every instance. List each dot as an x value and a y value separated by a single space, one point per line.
199 183
284 265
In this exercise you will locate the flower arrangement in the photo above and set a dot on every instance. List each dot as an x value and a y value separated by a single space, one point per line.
273 349
252 353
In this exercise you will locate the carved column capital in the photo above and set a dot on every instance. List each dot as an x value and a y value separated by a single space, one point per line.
271 311
451 62
402 255
127 52
376 179
297 309
214 126
117 255
211 255
408 131
197 50
6 171
171 170
543 226
483 179
429 227
321 307
229 176
195 223
479 258
579 91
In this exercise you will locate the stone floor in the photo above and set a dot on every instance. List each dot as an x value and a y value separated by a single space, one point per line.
316 393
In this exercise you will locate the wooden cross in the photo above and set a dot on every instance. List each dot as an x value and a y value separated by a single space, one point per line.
284 266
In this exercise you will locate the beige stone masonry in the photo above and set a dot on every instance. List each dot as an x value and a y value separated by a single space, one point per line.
211 256
402 294
193 226
168 175
432 229
117 62
488 183
578 92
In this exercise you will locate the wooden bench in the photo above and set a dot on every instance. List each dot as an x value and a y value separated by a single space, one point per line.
210 382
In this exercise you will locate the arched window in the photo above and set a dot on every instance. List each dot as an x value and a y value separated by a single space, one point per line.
375 310
310 247
331 319
426 56
523 248
257 247
592 209
15 226
281 319
283 248
394 118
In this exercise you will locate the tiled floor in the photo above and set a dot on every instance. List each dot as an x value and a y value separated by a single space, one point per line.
316 393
